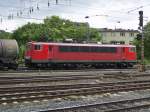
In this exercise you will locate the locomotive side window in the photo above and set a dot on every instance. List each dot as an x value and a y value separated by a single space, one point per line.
37 47
94 49
84 49
112 49
74 48
64 49
87 49
104 49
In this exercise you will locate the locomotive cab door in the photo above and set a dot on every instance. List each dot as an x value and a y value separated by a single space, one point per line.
123 54
50 52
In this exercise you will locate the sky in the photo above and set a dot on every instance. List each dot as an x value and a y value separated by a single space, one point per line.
102 13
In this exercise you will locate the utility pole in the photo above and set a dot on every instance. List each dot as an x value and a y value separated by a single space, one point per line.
88 30
142 66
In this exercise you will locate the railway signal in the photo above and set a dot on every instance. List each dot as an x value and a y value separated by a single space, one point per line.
141 18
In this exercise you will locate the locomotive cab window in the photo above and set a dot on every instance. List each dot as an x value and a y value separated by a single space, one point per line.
37 47
132 49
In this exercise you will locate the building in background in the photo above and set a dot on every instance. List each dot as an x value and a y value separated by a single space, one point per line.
117 36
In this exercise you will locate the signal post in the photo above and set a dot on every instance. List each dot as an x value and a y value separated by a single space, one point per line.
142 64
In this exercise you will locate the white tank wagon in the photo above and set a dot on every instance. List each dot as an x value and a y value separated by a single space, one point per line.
8 53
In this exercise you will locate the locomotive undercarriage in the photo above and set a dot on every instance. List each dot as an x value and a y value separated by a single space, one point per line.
78 65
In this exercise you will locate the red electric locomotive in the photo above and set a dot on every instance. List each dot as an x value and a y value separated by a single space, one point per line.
42 54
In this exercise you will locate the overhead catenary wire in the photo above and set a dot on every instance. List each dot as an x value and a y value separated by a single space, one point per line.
81 6
37 7
31 18
17 7
31 9
137 8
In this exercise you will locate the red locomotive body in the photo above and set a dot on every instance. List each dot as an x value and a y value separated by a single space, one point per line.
49 54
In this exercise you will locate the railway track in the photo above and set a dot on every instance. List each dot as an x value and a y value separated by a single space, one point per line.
36 79
20 94
55 78
49 78
25 70
41 74
127 105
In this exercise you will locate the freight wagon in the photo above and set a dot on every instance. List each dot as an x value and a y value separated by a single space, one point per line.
8 53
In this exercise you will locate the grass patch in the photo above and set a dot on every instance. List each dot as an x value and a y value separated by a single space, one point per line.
147 61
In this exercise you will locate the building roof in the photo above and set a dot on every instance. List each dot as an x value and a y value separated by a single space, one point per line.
117 30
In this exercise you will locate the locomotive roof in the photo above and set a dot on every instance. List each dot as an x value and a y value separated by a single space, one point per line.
80 44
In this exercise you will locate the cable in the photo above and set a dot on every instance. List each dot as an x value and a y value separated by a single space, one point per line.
22 17
31 9
142 6
60 4
74 6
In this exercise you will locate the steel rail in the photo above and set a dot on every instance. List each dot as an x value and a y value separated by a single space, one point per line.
41 77
47 87
53 79
125 109
47 76
108 105
43 80
70 70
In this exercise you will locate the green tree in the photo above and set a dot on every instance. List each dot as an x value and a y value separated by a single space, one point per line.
95 35
146 43
55 29
5 35
28 32
147 40
137 43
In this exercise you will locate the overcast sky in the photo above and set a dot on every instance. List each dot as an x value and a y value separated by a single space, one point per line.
112 13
